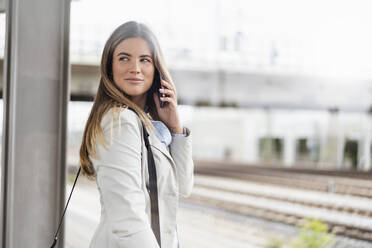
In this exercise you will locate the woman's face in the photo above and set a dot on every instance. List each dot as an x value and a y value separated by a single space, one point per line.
133 68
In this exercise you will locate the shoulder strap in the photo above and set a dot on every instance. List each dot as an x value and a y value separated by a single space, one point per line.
64 211
153 188
153 192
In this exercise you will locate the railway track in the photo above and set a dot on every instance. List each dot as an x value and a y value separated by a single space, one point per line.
341 182
342 201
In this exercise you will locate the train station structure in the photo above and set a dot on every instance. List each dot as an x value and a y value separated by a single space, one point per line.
263 121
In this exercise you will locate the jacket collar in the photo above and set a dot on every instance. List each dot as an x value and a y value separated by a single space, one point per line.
155 142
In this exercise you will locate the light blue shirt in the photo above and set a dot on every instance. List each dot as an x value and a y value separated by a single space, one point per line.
163 134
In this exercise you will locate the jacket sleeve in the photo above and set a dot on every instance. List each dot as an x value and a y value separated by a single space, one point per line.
119 180
181 151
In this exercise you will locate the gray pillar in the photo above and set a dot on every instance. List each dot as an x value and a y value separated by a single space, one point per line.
331 149
364 151
367 143
36 91
2 6
289 149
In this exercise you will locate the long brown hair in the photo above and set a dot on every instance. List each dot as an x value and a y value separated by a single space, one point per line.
109 95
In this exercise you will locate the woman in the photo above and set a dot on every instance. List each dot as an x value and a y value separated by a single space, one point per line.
113 150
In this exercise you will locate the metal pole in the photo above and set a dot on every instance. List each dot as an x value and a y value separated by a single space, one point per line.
35 95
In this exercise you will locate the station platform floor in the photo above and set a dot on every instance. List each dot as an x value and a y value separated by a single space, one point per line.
198 225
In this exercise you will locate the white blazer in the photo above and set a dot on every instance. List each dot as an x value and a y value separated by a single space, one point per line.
122 176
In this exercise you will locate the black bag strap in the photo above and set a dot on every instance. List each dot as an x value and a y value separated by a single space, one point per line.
155 224
64 211
153 191
153 188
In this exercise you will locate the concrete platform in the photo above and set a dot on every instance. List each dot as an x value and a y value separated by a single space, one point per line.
198 226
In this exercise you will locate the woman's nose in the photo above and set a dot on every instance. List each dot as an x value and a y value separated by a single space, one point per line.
135 67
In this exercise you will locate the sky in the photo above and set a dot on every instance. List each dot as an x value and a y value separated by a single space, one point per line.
325 36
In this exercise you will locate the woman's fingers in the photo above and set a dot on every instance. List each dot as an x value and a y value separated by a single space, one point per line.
167 92
168 99
169 86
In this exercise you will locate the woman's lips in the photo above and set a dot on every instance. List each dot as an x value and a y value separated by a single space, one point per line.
134 80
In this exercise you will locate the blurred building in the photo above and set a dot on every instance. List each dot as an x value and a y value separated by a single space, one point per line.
291 138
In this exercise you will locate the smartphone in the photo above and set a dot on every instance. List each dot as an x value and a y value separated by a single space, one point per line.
157 86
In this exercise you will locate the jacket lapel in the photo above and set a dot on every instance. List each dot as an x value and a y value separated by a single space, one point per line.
155 142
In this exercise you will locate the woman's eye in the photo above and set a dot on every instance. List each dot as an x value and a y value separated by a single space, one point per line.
146 60
123 58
